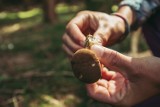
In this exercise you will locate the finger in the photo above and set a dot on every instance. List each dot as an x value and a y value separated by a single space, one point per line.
110 57
98 92
94 86
108 75
102 82
113 59
117 88
116 84
103 32
75 27
70 44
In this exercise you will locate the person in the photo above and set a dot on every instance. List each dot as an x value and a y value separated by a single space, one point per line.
131 81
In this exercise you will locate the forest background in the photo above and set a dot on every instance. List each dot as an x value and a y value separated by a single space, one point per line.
34 71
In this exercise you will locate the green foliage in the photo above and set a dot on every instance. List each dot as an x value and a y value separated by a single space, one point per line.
101 5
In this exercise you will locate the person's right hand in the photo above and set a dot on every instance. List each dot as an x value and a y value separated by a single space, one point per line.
106 28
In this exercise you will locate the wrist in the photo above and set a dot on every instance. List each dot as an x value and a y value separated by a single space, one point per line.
125 28
127 13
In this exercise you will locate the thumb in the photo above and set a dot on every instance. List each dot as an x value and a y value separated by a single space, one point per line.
102 34
113 59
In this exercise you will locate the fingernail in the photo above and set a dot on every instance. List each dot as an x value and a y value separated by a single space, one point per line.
98 50
82 42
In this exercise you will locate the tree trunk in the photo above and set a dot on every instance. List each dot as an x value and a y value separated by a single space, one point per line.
49 11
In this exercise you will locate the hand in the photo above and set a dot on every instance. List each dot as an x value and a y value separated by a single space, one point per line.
133 81
106 28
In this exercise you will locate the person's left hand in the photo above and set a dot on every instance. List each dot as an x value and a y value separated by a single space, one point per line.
132 80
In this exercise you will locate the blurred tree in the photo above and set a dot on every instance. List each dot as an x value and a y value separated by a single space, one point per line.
49 11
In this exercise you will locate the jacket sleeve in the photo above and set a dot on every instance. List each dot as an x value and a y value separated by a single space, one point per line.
143 9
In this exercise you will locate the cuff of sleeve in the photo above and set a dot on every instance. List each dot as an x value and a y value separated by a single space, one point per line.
135 6
143 10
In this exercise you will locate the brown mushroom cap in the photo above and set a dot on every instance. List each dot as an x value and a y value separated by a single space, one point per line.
86 66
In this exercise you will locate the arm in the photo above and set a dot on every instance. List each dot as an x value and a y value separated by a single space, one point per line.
142 10
135 13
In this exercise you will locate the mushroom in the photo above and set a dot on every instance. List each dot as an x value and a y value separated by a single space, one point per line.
85 64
